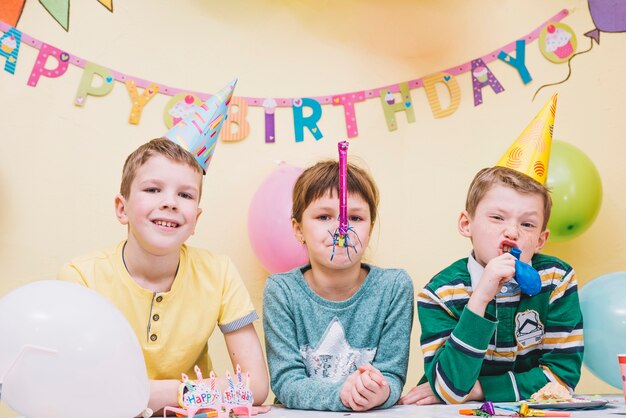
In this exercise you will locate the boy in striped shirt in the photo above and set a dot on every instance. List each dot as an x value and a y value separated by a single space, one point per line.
482 339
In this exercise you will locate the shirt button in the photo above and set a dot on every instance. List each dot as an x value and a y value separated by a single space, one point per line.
504 289
159 298
153 337
155 317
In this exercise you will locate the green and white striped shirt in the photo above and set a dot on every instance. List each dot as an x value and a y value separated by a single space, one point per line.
521 344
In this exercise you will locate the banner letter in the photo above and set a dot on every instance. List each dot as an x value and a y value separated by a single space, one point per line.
269 105
139 101
310 122
179 107
519 61
449 81
348 101
390 106
237 114
39 69
85 88
481 77
10 48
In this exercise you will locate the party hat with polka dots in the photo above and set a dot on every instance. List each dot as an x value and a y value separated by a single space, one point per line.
530 152
198 132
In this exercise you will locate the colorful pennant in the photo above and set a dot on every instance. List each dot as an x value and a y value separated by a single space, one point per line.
11 11
58 9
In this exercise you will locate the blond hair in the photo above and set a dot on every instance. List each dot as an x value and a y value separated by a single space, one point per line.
323 177
486 178
157 146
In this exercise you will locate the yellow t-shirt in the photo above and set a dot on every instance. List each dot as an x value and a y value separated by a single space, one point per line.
173 328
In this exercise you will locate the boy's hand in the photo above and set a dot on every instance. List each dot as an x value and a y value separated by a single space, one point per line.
423 395
476 394
497 272
364 389
261 409
419 395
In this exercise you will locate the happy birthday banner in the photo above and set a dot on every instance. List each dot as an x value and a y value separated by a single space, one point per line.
557 44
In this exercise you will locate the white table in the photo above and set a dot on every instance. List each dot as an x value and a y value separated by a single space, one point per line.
615 410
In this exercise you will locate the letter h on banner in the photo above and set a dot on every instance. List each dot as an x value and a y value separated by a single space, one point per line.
391 107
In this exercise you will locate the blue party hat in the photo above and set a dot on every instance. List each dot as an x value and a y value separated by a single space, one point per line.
198 132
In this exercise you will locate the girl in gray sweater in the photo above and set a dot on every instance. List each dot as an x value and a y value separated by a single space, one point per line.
337 330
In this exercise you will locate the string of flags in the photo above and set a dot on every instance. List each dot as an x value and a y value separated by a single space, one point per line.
11 10
557 42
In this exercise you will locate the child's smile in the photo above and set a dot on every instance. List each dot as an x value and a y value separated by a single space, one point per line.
162 207
166 224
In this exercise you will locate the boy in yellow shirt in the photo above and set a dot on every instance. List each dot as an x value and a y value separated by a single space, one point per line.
171 294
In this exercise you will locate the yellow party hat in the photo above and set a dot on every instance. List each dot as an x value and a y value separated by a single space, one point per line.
530 152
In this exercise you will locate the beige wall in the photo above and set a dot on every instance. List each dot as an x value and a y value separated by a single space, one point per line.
60 165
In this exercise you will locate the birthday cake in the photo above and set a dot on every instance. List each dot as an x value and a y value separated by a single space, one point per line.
553 391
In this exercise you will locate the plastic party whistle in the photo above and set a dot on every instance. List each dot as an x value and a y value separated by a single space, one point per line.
473 412
525 275
525 411
485 410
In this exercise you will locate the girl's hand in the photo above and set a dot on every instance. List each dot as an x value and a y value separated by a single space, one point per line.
364 389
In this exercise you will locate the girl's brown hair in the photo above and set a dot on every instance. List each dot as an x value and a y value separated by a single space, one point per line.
323 177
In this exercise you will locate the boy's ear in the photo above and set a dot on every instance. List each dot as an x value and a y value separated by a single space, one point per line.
120 209
543 238
297 230
199 212
464 224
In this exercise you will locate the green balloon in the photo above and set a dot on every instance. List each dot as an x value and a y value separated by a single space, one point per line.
576 191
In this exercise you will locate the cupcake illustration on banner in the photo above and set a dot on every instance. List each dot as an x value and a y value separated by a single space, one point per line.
8 44
481 74
557 42
179 107
389 98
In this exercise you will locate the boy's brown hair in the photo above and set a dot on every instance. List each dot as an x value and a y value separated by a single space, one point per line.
323 177
486 178
157 146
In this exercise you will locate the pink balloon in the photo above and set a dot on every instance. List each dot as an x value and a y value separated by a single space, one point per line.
269 222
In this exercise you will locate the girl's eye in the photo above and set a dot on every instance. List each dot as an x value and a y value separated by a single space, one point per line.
152 190
497 217
528 225
355 218
323 217
185 195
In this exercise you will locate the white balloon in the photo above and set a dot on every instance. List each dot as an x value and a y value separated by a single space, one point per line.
79 356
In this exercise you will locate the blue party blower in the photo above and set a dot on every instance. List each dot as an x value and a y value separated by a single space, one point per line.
525 275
